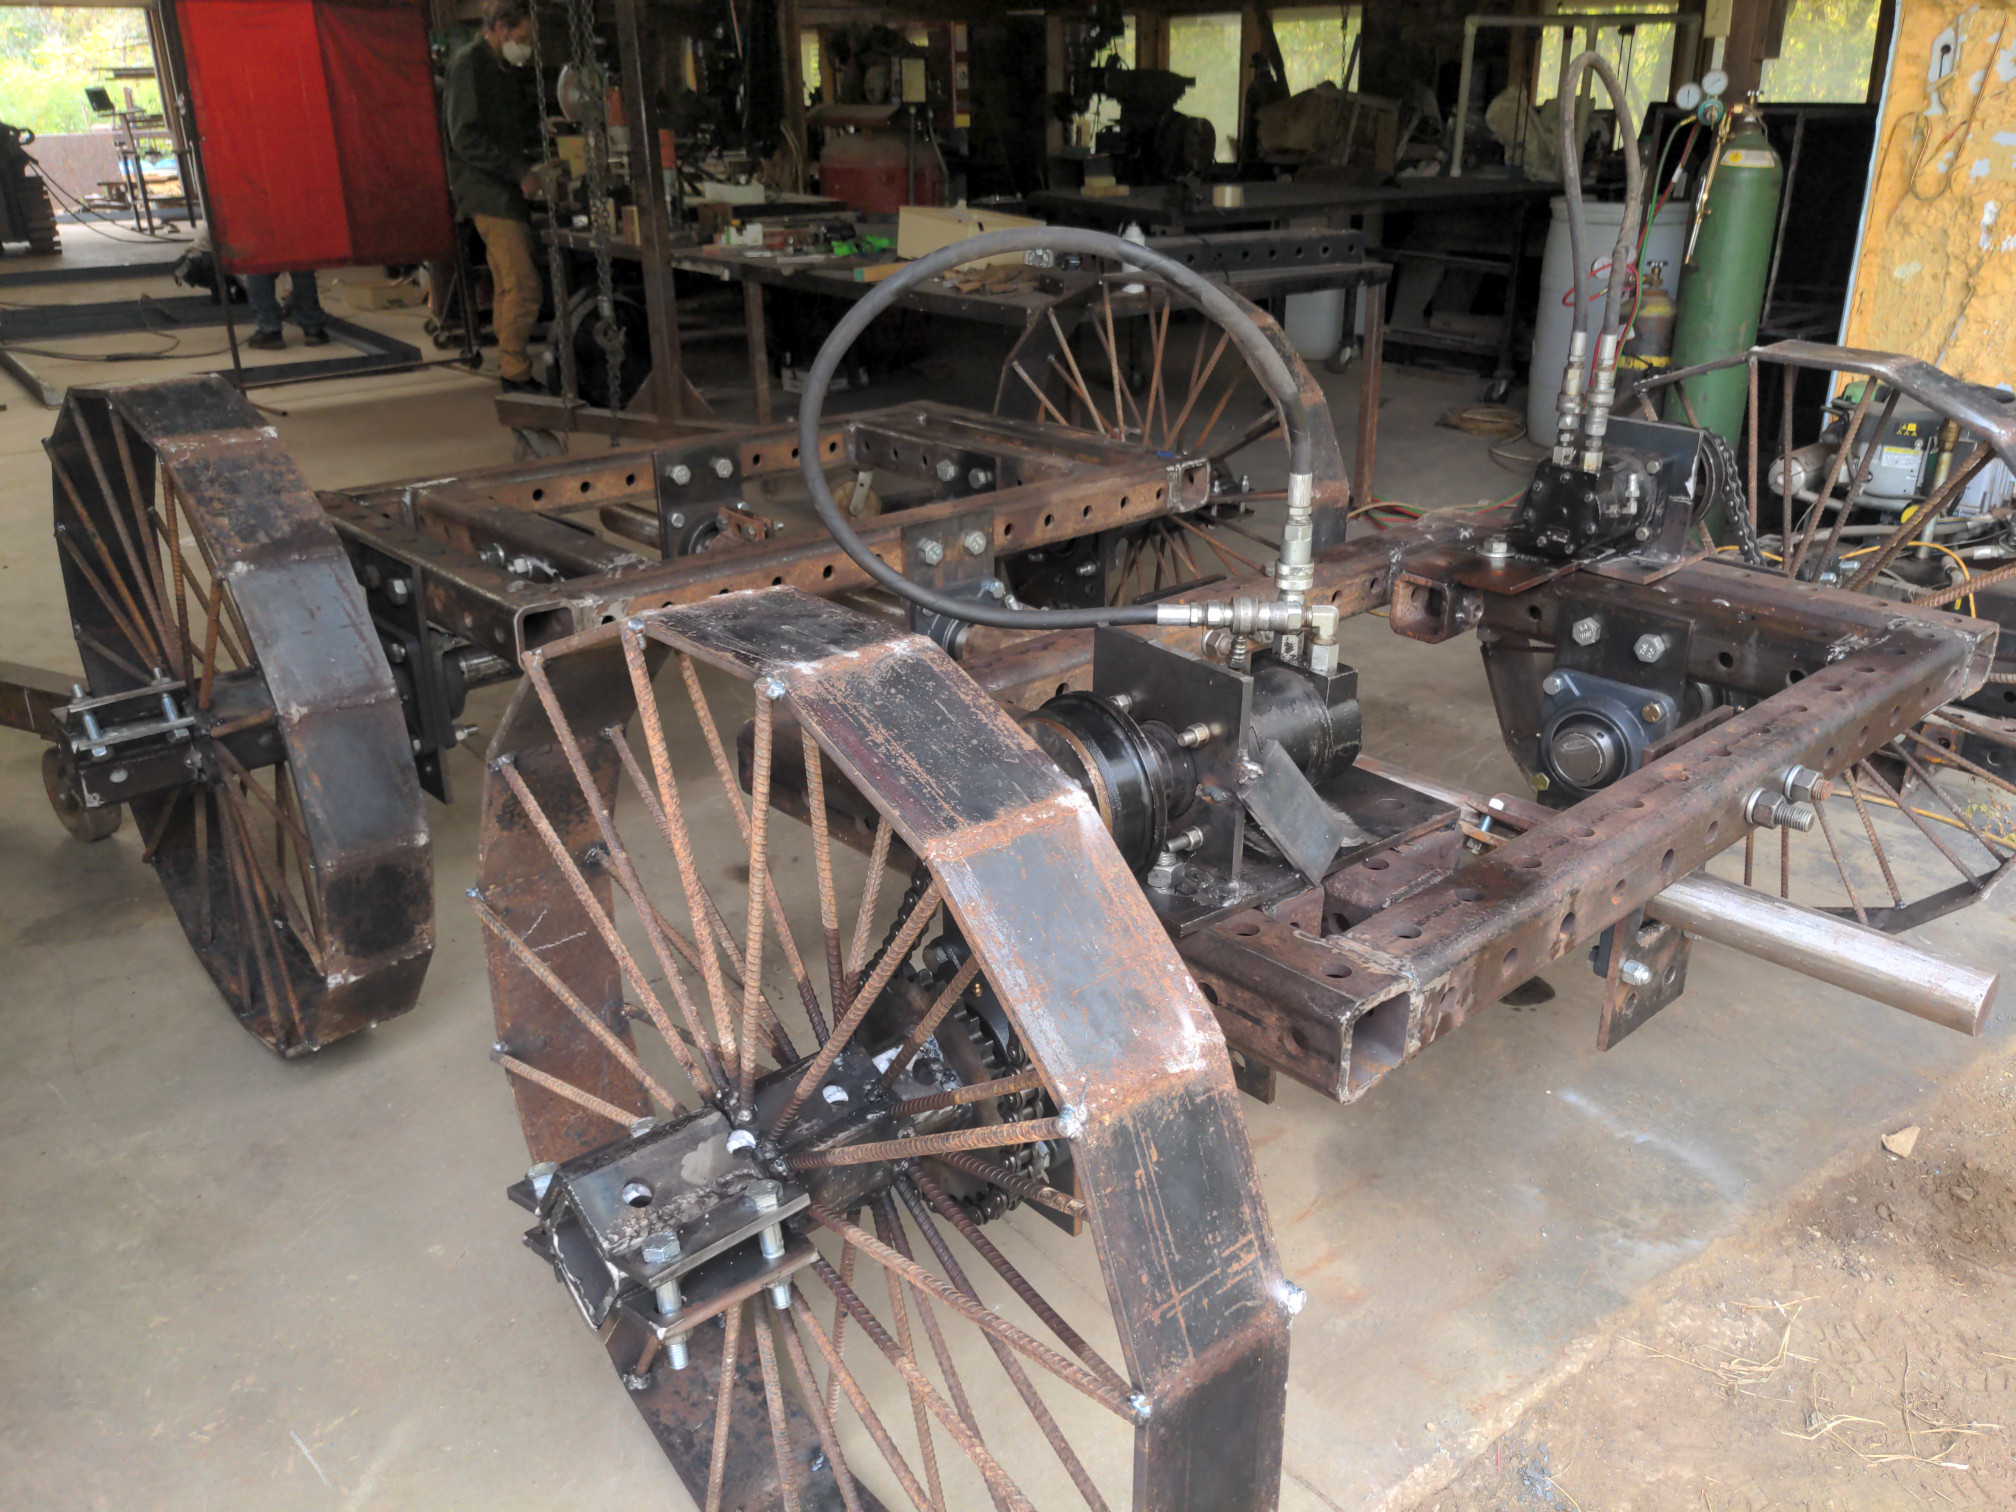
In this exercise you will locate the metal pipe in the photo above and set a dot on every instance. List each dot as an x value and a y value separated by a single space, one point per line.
1837 951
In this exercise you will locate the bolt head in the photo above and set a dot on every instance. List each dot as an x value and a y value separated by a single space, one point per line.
947 470
1635 973
723 468
1586 631
661 1248
975 543
681 474
1649 648
1653 713
740 1140
930 552
1497 548
1553 682
765 1195
979 477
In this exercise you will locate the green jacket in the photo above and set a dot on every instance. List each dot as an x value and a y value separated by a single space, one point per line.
493 132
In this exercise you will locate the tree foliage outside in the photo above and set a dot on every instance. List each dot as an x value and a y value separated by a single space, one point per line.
1825 55
49 55
1643 56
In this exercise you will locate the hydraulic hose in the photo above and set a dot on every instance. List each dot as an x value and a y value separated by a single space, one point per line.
1213 301
1571 185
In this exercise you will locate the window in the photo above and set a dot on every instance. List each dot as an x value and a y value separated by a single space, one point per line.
1825 58
1643 57
1121 51
1316 43
1207 49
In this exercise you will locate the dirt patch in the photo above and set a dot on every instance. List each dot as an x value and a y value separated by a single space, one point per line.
1858 1355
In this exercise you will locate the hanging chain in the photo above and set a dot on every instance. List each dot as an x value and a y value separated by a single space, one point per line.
595 131
556 256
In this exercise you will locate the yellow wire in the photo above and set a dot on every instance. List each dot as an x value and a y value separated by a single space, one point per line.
1966 576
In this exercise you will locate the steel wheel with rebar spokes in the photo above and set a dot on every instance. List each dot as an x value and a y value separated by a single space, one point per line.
1142 368
1925 825
277 801
925 1027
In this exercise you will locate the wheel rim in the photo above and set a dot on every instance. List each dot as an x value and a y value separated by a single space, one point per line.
1185 1326
294 850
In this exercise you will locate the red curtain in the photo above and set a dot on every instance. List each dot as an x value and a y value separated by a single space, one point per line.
319 137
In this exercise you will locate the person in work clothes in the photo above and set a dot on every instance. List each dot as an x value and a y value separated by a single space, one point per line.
263 289
492 105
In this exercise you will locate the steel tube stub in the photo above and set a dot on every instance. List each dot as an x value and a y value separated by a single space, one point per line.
1838 951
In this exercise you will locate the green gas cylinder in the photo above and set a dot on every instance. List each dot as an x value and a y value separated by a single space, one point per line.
1722 294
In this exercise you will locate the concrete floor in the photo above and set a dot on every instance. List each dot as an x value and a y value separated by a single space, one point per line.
228 1282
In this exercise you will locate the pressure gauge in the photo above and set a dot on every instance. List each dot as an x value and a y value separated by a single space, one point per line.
1714 82
1687 96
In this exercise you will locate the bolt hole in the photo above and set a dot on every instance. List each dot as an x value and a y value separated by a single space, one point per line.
1568 928
1377 863
1408 931
636 1194
1511 960
1666 864
1246 928
1336 971
1468 894
1724 660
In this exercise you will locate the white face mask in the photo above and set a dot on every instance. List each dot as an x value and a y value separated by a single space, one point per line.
517 54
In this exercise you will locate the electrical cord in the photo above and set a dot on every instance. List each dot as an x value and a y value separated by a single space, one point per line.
1214 302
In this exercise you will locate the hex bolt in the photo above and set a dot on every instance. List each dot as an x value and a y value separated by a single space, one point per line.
1649 648
675 1352
1804 785
1193 736
1088 569
947 470
723 468
771 688
541 1177
398 590
680 474
662 1248
739 1140
930 551
975 542
676 520
1122 701
395 653
1653 713
1769 810
1586 631
1497 550
1799 816
979 477
1553 682
1635 974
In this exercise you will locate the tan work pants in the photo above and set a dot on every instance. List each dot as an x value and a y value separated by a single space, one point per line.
514 280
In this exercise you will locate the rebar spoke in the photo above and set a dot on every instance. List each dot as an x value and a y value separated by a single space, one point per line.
1931 786
149 561
148 644
1073 1375
212 618
671 817
899 1319
980 1137
1073 377
815 1408
847 1256
1112 341
262 872
995 1476
590 1020
1863 468
744 821
871 894
625 871
1797 559
757 833
1924 518
1014 1183
780 1426
1876 780
724 1406
978 1092
120 620
1033 1299
161 825
1155 390
899 951
801 1313
1197 386
822 865
1012 1367
600 922
581 1098
1827 833
1876 845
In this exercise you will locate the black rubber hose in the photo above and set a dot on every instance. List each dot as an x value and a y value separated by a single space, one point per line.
1626 250
1215 302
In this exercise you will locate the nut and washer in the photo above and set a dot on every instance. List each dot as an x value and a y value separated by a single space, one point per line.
1635 974
975 542
930 551
979 477
1586 631
1804 785
1497 550
1649 648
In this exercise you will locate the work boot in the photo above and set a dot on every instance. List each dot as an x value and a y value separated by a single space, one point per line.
316 337
267 341
522 386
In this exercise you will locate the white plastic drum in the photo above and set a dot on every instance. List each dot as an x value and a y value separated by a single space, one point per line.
1551 325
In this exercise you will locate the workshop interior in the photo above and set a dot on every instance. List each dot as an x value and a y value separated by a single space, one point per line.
847 693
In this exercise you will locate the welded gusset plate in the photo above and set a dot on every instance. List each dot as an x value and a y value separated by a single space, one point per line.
299 867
